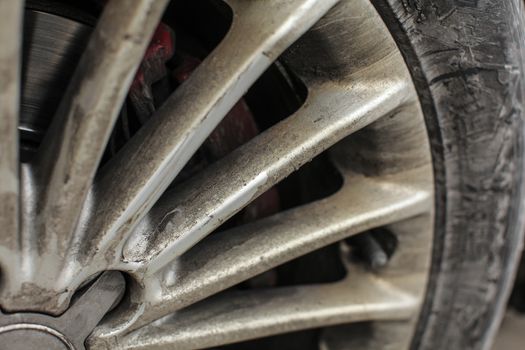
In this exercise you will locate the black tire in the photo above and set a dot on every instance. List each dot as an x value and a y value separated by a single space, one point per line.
466 59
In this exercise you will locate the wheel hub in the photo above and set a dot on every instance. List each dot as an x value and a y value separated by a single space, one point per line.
27 331
32 336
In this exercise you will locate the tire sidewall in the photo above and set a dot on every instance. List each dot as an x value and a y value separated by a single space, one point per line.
466 60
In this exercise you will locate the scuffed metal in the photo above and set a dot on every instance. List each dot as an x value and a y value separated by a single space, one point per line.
82 223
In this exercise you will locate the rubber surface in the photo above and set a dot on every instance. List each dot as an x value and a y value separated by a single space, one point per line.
466 59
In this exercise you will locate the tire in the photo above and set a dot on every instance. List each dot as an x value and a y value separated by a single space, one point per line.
466 59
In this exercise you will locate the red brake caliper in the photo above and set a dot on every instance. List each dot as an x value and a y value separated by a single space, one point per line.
151 70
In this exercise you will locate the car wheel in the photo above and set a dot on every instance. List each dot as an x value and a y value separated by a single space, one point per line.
300 174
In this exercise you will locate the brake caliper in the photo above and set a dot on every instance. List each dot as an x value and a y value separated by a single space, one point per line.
152 69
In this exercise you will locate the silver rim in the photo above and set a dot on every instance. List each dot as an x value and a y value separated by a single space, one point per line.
63 223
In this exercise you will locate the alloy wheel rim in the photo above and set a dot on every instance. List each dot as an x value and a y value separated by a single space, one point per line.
65 222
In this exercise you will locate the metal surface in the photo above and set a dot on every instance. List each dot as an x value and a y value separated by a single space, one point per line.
52 48
237 316
178 222
243 252
177 130
28 331
79 220
70 153
10 36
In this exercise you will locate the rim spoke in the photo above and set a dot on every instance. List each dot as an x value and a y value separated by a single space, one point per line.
231 257
79 220
187 214
10 37
70 153
375 335
237 316
73 147
136 178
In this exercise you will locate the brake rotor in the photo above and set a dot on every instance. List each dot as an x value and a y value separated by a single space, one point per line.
52 48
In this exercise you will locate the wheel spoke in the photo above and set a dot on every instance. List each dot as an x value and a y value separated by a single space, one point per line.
69 155
73 147
132 183
374 335
10 37
243 315
71 227
186 214
231 257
